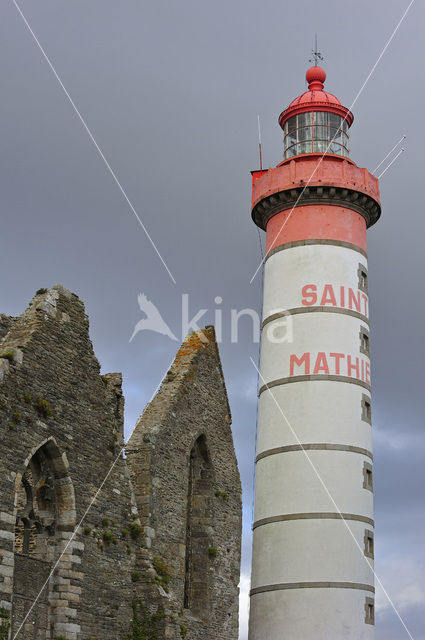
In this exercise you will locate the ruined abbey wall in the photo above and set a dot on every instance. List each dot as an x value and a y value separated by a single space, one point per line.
164 528
188 487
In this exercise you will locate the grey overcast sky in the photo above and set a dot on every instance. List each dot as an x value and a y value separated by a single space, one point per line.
171 91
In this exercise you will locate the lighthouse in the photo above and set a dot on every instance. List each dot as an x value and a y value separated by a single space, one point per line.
313 529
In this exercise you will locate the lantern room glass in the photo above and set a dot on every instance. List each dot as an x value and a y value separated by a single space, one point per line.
316 132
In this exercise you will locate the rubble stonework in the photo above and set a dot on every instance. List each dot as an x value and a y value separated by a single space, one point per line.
188 488
164 529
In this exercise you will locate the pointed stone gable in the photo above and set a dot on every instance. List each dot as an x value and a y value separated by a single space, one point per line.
169 545
187 489
61 430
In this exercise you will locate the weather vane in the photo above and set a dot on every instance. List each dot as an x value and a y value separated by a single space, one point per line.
316 55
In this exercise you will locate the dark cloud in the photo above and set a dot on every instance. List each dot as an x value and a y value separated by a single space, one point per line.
171 92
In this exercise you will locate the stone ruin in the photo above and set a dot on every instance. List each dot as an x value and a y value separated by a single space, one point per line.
94 544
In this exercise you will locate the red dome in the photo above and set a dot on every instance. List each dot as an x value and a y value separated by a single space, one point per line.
316 99
311 97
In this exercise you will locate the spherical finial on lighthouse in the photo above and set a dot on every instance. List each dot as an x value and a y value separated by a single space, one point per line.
315 77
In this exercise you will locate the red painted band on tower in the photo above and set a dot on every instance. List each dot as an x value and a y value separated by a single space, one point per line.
322 222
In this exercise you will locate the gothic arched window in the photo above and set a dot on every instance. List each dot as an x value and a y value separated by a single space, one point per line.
45 515
36 508
199 519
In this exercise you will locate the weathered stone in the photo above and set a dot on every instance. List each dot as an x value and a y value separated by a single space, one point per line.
188 476
149 532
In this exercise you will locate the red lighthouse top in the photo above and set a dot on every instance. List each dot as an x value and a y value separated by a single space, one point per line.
316 121
316 99
316 169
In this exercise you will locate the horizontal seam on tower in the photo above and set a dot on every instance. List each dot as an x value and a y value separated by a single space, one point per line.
314 447
332 515
313 378
312 585
302 243
317 309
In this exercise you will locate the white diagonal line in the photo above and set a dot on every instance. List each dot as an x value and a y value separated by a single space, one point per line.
111 171
388 154
360 91
74 533
319 477
68 543
392 162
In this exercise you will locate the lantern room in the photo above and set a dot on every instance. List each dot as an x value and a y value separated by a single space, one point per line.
316 121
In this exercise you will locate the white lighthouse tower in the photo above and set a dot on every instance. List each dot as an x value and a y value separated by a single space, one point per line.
312 576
